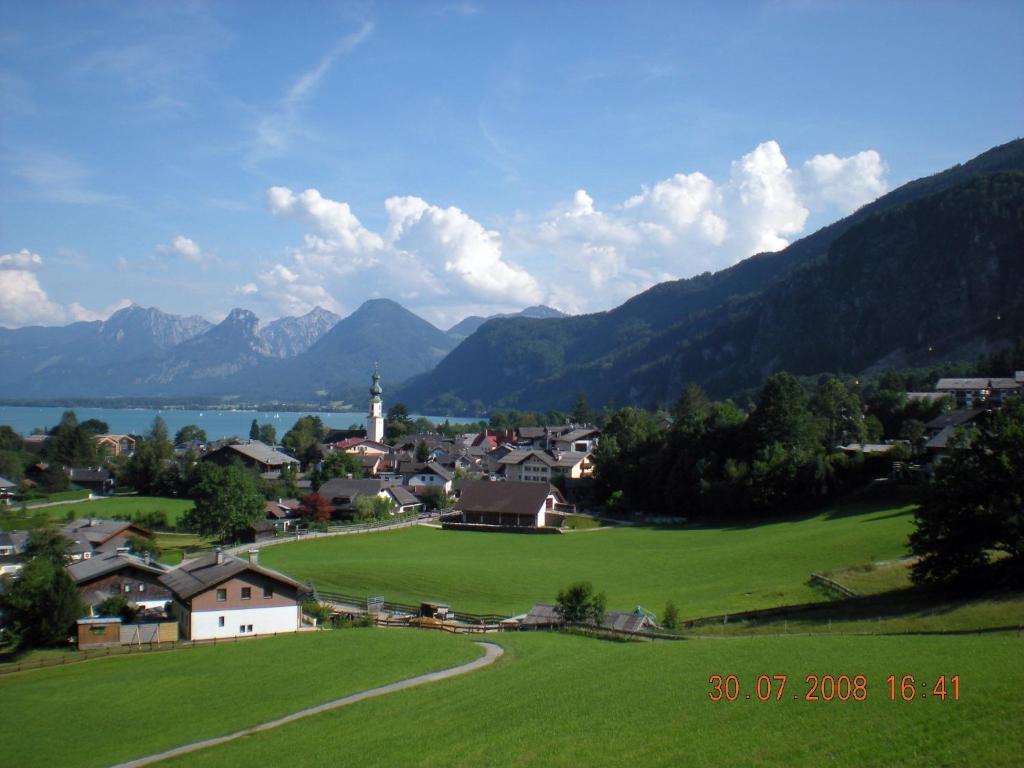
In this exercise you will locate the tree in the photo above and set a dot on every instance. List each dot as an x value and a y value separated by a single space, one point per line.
48 543
373 508
228 502
304 438
670 619
190 433
96 426
337 464
254 430
398 423
840 412
158 430
422 452
578 604
581 411
315 508
71 445
42 603
268 434
143 546
970 524
146 468
117 605
55 479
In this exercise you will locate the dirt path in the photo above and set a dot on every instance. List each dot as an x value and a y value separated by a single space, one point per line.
491 654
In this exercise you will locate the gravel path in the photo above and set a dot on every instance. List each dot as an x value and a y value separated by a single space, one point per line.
491 654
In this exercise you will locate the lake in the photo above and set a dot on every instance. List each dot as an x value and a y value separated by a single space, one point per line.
217 423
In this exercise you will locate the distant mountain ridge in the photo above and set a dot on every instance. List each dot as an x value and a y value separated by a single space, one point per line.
471 324
291 336
722 330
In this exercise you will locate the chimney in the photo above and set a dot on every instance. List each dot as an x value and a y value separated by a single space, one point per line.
92 521
220 555
254 556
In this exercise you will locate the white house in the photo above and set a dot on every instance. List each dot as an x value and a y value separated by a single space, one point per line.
220 595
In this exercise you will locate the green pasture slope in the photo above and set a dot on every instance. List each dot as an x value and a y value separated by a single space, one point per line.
112 507
106 711
703 570
556 700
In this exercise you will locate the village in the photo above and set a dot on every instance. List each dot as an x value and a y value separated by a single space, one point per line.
525 480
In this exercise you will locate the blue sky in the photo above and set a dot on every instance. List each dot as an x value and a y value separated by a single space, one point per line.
461 157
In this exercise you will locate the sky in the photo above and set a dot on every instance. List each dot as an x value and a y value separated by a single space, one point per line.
461 157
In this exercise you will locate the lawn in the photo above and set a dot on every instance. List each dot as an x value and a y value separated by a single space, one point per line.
704 570
556 700
65 715
111 507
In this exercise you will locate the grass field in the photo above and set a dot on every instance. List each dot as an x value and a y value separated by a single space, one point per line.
113 507
704 570
556 700
101 712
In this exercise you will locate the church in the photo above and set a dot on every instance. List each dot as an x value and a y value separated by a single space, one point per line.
375 418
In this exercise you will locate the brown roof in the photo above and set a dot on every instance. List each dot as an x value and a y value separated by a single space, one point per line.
191 578
509 496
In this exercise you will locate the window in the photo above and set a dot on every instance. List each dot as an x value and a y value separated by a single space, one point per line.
241 629
222 595
220 621
268 592
127 587
142 587
248 627
246 593
98 630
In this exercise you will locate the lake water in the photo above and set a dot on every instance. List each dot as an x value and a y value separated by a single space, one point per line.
217 423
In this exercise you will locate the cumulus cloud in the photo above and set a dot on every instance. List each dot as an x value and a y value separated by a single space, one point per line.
580 256
427 255
23 259
76 312
846 182
23 301
184 247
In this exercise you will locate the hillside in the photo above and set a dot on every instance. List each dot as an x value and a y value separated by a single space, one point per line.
721 330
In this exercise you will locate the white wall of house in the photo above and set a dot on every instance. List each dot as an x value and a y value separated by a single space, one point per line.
264 621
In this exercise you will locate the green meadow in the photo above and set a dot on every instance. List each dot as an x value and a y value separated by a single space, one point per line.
704 570
558 700
112 507
109 710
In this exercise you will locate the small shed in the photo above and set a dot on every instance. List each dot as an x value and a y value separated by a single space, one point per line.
99 632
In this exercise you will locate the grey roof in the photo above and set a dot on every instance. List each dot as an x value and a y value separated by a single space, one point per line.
344 487
867 447
977 383
510 497
941 440
431 467
16 539
88 475
96 531
542 614
5 483
626 622
263 453
578 434
86 570
954 418
191 578
519 456
403 495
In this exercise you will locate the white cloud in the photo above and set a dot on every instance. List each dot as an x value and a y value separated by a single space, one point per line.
76 311
249 289
276 129
432 257
23 259
581 256
182 246
846 182
23 301
768 204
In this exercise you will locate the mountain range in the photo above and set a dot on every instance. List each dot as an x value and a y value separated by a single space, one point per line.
932 271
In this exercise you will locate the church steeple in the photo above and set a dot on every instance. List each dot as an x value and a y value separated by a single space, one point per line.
375 418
